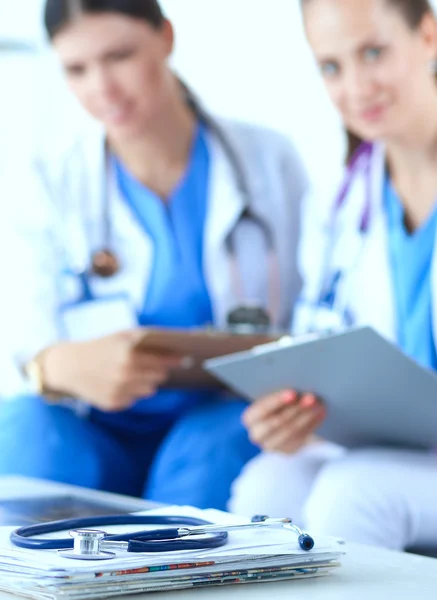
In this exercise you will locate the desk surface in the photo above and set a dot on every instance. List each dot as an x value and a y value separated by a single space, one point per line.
366 574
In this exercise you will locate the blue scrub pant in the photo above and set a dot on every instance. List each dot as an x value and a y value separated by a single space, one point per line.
194 462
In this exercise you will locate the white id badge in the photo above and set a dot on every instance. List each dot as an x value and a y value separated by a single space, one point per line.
97 318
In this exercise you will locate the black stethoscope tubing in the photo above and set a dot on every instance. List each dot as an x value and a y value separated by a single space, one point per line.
24 536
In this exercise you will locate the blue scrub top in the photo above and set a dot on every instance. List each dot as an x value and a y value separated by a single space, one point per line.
176 294
411 258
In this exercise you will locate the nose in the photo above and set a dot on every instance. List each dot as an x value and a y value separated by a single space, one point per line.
358 85
101 84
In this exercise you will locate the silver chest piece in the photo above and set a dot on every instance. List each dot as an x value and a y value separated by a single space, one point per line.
87 545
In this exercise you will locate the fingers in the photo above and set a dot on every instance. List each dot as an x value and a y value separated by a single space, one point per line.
139 379
268 406
261 431
116 401
147 379
133 339
150 361
140 391
125 396
291 439
289 426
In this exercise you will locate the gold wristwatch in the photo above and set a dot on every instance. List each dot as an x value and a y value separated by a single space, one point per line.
34 372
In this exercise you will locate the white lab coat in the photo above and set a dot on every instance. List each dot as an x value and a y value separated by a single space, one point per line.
52 220
369 496
367 285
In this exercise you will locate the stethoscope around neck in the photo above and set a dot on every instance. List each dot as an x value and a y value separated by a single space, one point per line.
246 316
327 302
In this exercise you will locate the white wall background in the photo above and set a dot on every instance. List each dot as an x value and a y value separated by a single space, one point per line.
246 58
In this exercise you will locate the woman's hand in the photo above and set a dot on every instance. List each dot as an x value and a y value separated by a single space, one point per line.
283 422
108 373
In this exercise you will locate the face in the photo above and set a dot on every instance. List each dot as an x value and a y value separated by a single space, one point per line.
116 66
375 66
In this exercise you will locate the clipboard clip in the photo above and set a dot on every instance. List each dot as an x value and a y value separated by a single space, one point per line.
285 341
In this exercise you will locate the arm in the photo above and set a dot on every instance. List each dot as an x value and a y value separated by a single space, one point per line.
108 373
29 267
285 421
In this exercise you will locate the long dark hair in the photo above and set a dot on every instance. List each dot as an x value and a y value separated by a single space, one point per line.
414 12
59 13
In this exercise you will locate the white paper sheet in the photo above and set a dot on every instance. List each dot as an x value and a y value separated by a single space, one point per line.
250 555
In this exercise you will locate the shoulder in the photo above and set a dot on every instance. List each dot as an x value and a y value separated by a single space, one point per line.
38 182
83 151
324 193
256 137
266 151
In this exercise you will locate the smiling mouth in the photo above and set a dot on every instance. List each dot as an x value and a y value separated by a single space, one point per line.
115 115
372 114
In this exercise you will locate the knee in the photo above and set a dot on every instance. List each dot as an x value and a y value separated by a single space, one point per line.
213 429
26 435
351 499
24 418
202 456
261 487
341 488
39 440
278 484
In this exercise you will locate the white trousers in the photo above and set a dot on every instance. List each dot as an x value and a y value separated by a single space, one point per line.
379 497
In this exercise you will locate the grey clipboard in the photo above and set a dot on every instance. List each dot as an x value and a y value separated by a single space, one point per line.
375 395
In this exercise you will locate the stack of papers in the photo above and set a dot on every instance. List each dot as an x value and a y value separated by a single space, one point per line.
264 554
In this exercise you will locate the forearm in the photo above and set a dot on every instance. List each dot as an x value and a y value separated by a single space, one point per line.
60 367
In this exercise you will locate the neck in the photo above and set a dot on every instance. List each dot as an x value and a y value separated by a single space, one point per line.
412 161
416 146
158 156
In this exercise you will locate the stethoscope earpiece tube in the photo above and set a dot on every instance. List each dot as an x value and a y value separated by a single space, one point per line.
305 540
90 543
106 264
24 536
214 541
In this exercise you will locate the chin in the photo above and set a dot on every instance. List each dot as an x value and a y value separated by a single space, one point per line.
373 133
130 130
123 132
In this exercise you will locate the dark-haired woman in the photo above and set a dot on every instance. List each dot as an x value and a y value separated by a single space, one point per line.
161 216
368 258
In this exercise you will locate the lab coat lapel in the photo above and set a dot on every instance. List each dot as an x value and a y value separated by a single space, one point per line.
129 241
225 206
434 293
371 283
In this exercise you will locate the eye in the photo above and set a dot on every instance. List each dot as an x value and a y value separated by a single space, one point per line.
372 54
75 70
330 69
120 55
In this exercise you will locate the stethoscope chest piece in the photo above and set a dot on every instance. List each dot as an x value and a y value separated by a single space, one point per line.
87 545
105 263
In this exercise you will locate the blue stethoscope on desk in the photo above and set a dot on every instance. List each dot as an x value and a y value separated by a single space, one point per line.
88 543
326 313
